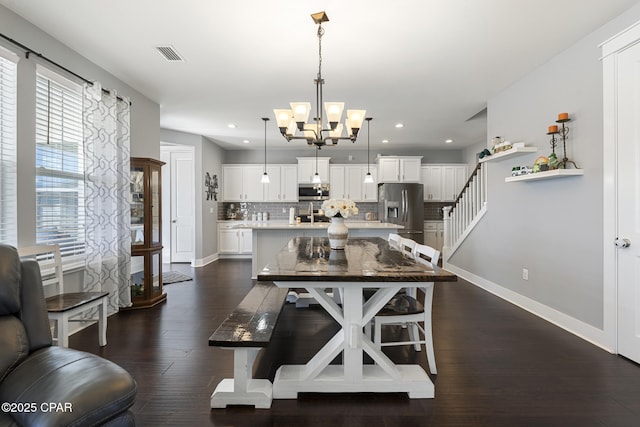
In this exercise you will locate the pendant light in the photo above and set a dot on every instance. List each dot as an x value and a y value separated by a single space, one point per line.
316 178
368 178
265 176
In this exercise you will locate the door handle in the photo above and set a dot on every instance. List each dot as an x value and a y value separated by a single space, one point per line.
174 221
622 243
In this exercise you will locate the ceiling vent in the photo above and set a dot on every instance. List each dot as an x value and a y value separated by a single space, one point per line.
169 53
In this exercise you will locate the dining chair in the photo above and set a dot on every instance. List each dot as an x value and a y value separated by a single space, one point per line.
407 246
404 309
394 240
64 307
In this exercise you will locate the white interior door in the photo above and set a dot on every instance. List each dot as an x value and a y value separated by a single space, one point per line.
628 202
181 206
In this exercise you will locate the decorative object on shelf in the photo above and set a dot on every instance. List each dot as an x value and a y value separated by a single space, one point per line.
265 175
496 141
295 119
521 170
338 210
541 164
563 132
484 153
211 184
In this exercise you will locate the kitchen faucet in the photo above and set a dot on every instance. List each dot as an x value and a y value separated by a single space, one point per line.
311 211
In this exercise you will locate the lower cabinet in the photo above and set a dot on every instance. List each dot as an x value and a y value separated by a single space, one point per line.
434 234
234 241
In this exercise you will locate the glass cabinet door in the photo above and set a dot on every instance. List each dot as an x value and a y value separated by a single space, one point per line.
155 206
137 206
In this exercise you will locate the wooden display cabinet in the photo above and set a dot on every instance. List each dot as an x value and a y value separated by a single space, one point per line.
146 233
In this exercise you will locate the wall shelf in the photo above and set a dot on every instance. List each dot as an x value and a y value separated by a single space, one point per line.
509 153
556 173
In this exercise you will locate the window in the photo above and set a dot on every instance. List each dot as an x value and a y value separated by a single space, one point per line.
59 163
8 177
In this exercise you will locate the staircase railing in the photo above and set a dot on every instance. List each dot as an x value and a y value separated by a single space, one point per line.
466 211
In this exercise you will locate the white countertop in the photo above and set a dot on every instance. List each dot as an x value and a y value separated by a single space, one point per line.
284 225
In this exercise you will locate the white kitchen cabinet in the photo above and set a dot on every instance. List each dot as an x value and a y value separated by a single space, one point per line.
453 178
432 183
337 182
283 185
241 183
443 182
434 234
347 182
399 169
307 168
234 241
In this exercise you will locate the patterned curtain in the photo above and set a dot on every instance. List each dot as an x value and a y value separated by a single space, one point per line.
108 222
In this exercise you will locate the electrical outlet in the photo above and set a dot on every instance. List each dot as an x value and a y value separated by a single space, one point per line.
525 274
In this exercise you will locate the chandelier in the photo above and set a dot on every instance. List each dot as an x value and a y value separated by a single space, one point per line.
319 133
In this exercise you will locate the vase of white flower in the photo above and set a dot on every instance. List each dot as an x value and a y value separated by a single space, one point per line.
338 210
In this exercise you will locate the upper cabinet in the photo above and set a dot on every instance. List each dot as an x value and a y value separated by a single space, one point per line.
241 183
399 169
347 182
307 168
443 182
283 185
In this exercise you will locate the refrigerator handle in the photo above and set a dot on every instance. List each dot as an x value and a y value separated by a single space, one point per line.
405 205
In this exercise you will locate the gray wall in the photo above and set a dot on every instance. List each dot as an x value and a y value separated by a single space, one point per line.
207 158
338 154
552 227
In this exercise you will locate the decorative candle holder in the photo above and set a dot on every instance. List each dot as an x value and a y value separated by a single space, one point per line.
563 132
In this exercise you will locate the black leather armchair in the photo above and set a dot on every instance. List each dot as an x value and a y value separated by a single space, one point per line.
44 385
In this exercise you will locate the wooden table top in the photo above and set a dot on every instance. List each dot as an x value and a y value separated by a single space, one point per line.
367 259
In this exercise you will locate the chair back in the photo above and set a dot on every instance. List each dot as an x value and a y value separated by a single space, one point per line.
407 246
394 240
426 254
50 260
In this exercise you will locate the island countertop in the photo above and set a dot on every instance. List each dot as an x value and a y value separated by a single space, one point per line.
284 225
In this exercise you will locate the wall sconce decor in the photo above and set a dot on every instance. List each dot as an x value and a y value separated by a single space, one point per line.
563 133
211 185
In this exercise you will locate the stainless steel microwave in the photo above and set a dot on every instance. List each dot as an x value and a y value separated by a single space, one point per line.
310 192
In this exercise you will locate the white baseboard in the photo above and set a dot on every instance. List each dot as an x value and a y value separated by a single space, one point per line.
204 261
587 332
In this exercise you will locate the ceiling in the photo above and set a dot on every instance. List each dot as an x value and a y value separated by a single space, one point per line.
429 64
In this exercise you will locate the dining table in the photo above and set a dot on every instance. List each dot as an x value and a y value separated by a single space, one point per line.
367 263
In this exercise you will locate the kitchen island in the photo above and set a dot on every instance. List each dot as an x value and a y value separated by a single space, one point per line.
269 237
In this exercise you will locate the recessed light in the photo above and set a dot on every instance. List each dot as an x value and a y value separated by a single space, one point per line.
448 141
399 125
246 141
231 126
385 141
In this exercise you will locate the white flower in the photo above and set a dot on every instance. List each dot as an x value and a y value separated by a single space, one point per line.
335 207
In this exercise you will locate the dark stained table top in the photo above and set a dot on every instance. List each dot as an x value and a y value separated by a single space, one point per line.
367 259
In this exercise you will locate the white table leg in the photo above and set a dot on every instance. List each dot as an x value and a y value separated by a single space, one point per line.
352 376
242 389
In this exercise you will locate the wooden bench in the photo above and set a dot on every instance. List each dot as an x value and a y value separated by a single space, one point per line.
246 331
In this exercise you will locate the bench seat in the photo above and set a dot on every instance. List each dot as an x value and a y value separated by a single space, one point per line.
246 331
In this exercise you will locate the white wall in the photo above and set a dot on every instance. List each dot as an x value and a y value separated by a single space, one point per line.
552 227
207 158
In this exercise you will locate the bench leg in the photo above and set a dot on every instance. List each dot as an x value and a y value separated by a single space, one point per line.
242 389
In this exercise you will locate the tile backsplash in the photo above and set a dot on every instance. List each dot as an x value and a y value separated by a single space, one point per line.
280 211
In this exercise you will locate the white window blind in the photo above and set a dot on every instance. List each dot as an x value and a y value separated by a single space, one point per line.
8 177
59 164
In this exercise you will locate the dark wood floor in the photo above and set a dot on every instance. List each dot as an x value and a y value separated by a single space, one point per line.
497 364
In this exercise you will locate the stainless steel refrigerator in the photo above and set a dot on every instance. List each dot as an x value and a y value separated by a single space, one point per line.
403 204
